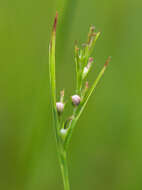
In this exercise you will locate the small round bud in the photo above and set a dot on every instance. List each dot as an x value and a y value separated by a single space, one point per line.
60 107
76 100
63 133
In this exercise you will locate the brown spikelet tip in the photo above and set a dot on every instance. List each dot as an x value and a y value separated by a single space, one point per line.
107 61
62 93
76 49
76 44
55 22
92 28
94 34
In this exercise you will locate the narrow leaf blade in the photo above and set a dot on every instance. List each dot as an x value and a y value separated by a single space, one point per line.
52 74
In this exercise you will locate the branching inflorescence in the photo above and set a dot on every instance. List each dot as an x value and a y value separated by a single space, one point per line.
83 62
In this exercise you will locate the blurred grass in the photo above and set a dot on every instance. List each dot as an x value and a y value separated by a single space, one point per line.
106 145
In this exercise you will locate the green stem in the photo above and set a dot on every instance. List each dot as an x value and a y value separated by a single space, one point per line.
64 170
60 146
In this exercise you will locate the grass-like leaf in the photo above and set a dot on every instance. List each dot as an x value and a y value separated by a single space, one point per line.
60 147
52 63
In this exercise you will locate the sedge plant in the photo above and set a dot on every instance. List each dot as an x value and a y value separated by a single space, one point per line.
64 128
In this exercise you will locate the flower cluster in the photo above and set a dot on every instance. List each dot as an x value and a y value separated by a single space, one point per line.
84 62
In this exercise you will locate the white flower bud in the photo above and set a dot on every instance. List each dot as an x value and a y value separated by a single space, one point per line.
63 131
60 107
76 100
87 68
85 72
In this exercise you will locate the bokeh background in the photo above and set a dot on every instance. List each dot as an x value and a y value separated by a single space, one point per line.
105 152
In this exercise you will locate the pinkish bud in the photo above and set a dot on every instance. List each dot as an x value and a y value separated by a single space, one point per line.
76 100
60 107
90 61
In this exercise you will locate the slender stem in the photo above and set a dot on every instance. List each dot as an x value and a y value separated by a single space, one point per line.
64 170
60 146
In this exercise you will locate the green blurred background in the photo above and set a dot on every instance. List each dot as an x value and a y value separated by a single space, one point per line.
105 152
